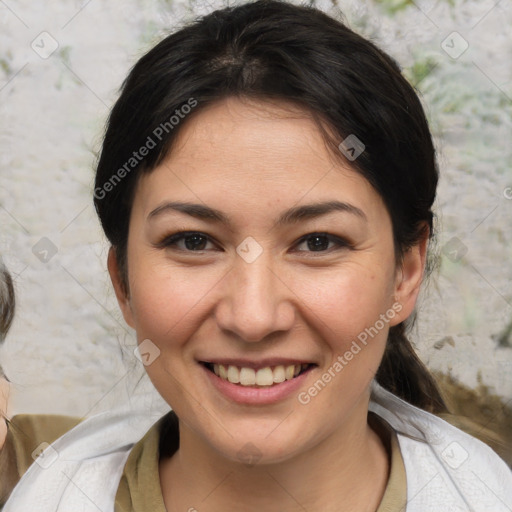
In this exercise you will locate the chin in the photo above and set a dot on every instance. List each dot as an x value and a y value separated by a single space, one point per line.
251 446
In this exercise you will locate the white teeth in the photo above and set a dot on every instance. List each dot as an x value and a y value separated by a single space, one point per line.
233 374
279 374
247 377
263 377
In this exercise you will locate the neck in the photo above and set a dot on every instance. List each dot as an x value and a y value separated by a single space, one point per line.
350 467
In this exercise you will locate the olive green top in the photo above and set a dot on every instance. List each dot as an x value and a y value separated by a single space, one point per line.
139 488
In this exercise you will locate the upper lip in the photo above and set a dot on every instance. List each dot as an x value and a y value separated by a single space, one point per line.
262 363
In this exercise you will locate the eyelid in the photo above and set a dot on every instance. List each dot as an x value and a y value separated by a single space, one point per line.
171 240
339 241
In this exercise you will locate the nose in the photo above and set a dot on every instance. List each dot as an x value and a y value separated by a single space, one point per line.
255 300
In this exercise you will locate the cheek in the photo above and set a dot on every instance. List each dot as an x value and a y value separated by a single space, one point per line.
168 309
348 309
164 300
349 300
168 301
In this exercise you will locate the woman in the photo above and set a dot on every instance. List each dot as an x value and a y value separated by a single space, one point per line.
266 182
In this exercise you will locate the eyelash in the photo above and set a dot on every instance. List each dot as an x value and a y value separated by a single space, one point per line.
172 240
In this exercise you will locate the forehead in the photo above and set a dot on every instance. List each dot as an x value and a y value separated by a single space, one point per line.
250 155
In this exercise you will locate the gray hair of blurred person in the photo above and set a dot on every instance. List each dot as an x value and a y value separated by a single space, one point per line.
7 303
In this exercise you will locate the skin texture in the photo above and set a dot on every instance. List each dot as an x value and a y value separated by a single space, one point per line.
5 388
254 160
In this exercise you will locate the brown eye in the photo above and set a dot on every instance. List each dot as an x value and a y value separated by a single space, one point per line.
192 241
319 242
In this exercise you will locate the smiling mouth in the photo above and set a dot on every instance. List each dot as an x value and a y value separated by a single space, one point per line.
260 378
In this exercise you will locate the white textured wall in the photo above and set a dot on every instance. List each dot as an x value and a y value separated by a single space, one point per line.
69 350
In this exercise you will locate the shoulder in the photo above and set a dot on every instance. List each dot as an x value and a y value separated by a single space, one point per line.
94 451
29 432
446 468
27 436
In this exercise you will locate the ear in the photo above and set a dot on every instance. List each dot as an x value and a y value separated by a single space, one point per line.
409 277
123 298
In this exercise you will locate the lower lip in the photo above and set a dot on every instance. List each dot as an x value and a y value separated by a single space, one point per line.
257 396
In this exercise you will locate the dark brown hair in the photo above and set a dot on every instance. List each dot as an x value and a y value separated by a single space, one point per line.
274 50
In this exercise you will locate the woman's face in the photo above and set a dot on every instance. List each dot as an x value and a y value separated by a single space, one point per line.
268 286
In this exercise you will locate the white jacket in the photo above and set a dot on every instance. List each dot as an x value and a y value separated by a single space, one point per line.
446 469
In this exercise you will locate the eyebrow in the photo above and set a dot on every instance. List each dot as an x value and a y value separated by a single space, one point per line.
291 216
